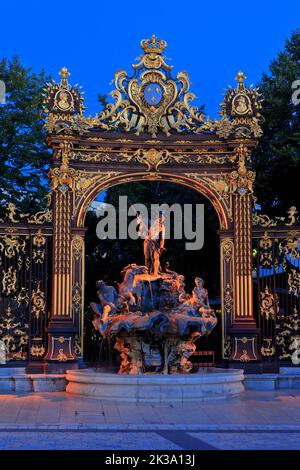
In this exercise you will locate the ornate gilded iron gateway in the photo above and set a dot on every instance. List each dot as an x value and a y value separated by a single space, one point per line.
151 131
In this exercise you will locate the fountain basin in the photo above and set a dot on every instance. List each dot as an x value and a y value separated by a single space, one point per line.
209 384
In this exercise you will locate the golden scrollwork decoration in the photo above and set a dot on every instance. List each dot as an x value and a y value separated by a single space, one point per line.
9 281
85 179
37 350
78 346
12 212
294 282
263 220
288 331
39 242
242 179
267 350
22 296
77 246
63 177
290 246
14 334
227 347
266 251
37 302
227 250
153 158
61 356
269 307
13 215
41 217
39 239
11 245
228 299
163 156
76 296
244 357
220 183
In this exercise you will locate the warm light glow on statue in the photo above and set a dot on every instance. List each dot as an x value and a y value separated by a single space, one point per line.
154 245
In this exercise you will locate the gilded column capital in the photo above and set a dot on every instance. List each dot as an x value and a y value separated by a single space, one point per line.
242 179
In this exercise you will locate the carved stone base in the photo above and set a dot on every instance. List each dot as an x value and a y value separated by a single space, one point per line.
158 353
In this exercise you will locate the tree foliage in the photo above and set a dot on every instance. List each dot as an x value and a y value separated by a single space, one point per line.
277 157
24 154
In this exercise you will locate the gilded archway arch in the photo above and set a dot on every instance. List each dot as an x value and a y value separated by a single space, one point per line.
200 183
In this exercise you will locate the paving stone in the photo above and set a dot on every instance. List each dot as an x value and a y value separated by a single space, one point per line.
252 408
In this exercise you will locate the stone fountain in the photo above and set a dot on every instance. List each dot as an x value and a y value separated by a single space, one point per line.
151 317
155 324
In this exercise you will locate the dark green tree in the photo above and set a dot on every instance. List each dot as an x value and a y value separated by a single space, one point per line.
277 157
24 154
102 99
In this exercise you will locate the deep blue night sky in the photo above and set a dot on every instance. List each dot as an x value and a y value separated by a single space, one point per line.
210 40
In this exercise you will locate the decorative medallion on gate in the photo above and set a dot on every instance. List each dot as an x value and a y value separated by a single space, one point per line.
242 105
152 100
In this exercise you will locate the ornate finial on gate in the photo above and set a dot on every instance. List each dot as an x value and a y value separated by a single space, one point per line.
240 112
240 78
64 73
153 45
63 104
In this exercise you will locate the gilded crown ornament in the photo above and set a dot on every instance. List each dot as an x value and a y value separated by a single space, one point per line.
153 45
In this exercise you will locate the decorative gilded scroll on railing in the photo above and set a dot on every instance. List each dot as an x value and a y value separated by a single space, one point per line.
264 221
276 264
13 215
24 289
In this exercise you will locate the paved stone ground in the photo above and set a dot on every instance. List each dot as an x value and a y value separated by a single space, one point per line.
254 420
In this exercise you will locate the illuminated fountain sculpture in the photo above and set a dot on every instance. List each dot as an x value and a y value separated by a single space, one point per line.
153 321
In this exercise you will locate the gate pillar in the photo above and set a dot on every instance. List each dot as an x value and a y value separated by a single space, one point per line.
62 328
243 330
